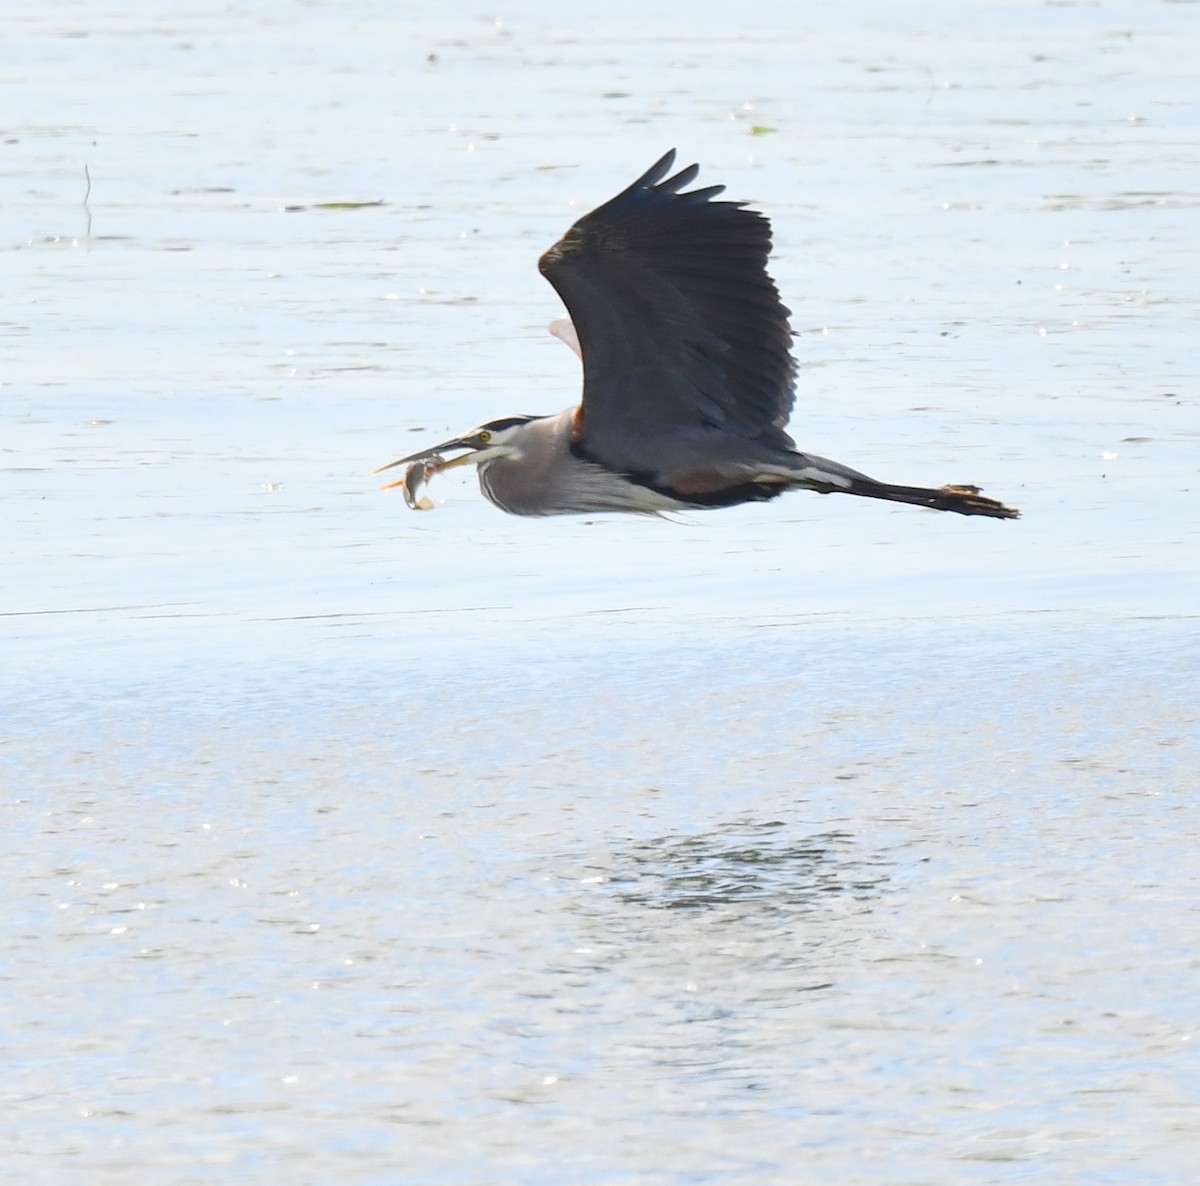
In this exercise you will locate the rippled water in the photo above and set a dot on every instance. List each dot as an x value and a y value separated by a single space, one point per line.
814 841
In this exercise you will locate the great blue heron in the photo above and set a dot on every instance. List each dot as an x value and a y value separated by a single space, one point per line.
688 379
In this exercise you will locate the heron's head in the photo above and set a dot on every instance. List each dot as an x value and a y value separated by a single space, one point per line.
488 442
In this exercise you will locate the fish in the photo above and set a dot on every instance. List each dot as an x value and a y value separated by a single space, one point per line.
416 476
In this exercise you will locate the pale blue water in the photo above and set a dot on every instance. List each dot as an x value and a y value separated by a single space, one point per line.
821 841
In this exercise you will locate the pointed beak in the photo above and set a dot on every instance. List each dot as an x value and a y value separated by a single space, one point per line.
435 463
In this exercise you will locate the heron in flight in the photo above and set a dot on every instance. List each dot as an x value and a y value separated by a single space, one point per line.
688 379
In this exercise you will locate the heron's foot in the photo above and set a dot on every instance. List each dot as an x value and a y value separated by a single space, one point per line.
966 500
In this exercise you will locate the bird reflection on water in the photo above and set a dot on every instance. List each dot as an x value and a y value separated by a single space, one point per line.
760 863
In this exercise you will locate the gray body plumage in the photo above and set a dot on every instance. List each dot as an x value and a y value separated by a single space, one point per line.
688 378
542 477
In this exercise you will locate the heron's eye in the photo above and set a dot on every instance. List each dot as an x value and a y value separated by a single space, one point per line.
484 435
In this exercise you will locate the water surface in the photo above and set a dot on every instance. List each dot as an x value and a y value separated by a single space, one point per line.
813 841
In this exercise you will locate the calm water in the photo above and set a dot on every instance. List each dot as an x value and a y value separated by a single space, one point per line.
814 842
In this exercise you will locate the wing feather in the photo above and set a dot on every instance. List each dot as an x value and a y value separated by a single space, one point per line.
680 325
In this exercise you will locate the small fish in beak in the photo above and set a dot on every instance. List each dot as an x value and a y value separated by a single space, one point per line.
422 466
416 476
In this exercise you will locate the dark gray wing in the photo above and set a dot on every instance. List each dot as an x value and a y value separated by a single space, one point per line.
681 327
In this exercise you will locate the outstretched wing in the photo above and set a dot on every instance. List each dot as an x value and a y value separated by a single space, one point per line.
681 327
